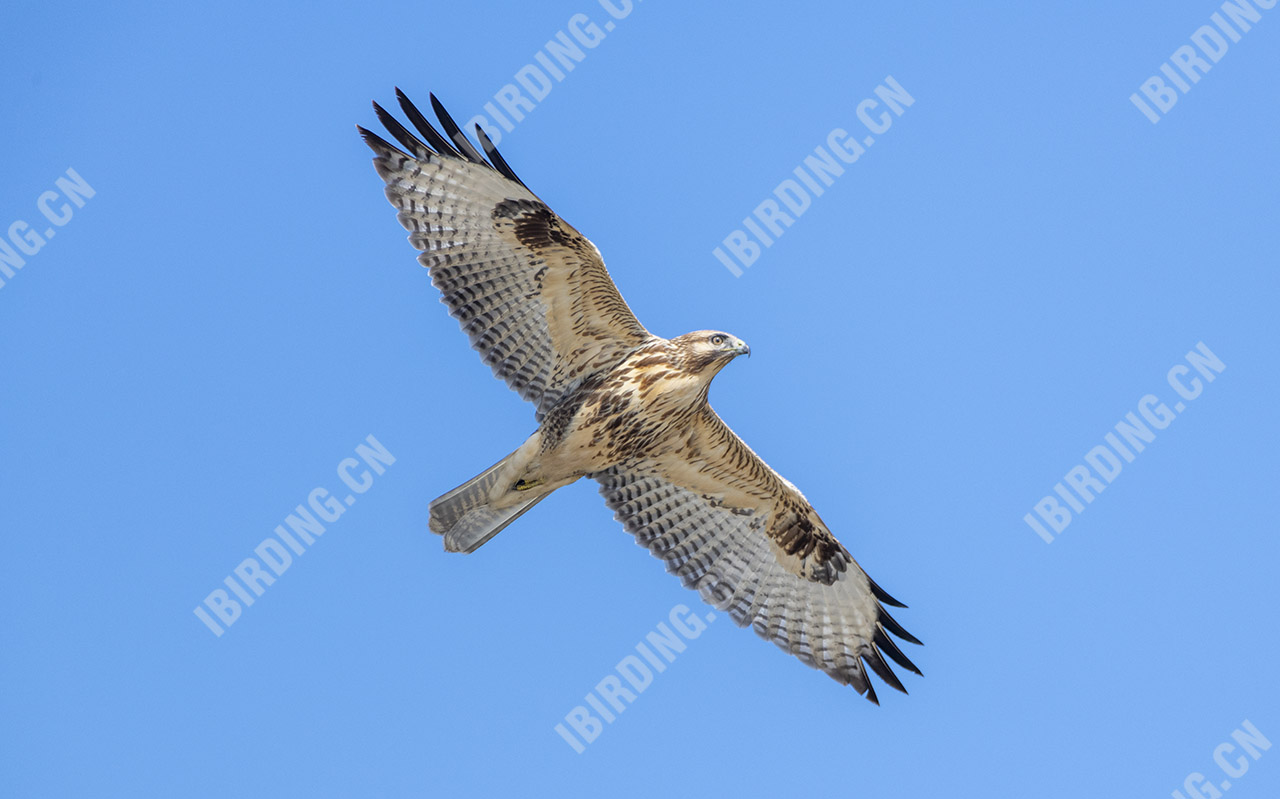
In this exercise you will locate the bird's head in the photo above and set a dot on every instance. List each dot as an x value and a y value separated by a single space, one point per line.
709 350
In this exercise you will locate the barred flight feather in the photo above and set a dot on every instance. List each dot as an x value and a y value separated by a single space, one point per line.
622 406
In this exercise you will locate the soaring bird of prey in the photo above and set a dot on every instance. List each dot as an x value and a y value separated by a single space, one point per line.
621 406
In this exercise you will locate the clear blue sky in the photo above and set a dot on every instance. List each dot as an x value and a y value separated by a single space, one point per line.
962 315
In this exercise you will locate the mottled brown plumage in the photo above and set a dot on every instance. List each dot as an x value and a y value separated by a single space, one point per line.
623 406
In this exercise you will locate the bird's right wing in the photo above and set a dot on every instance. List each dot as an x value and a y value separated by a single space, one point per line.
531 292
752 545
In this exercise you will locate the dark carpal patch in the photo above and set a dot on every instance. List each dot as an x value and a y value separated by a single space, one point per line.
797 535
536 301
536 226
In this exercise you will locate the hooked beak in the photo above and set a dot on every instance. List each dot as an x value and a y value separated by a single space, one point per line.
742 349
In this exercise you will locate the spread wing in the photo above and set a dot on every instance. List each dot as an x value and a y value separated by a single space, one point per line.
531 292
750 543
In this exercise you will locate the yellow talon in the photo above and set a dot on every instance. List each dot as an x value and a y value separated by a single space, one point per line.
524 485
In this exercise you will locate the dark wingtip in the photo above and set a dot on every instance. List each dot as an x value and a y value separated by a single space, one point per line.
495 157
401 133
883 595
376 143
424 126
870 693
401 97
886 645
452 143
876 661
891 624
455 134
860 681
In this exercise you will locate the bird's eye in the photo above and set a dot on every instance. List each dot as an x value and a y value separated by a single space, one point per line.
717 340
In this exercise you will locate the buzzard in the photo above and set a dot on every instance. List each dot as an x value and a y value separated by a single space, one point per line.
621 406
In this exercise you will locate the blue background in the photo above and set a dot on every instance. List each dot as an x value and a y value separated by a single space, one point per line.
936 342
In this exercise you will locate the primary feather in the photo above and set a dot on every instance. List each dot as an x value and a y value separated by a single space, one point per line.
622 406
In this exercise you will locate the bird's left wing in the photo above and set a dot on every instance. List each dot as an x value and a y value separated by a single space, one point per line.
530 291
752 545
